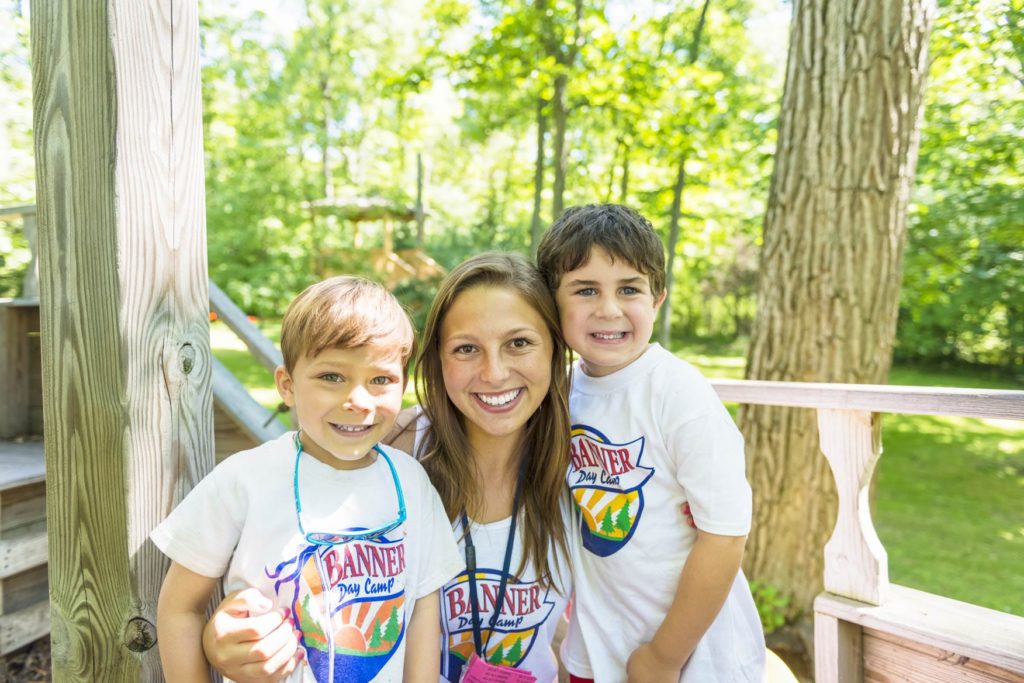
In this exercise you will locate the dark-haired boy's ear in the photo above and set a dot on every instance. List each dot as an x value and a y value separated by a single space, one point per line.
660 299
284 383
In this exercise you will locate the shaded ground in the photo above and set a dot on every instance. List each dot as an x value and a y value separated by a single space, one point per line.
30 664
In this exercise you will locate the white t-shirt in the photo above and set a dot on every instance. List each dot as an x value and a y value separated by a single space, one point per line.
526 626
240 523
647 439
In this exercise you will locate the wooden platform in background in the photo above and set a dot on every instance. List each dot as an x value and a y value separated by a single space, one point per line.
24 589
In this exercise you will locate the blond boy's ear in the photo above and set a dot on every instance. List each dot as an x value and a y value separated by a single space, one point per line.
283 380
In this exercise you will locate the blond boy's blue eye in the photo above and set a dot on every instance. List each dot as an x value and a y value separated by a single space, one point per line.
331 377
383 380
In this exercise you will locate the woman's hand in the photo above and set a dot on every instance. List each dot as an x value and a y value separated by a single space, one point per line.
249 642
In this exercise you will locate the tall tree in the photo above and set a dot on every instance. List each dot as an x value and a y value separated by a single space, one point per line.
830 266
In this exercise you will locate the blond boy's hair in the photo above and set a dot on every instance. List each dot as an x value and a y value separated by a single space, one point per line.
621 231
344 312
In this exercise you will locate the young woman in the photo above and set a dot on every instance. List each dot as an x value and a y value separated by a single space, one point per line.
492 431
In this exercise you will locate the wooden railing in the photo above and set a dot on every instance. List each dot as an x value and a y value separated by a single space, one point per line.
866 628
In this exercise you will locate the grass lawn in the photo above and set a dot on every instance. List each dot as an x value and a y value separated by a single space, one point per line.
950 491
949 501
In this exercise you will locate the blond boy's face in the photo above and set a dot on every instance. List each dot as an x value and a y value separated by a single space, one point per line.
345 400
607 312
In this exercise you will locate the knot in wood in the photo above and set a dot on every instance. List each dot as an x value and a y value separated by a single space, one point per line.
139 635
188 357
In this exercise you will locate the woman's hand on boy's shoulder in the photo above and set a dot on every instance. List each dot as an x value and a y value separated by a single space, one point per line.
250 642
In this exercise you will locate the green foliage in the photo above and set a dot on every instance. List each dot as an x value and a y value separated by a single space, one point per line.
771 605
964 268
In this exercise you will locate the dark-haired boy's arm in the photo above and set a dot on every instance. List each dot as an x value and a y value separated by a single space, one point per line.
704 584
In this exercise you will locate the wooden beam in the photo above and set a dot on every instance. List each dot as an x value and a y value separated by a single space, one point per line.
231 315
126 355
838 651
988 403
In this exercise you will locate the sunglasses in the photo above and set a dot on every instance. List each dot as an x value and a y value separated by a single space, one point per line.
332 538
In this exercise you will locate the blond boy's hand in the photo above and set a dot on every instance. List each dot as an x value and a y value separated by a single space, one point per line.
249 642
645 665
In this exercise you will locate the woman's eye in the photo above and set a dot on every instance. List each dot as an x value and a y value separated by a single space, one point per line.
520 343
464 349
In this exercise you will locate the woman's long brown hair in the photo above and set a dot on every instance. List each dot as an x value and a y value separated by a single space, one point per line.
445 452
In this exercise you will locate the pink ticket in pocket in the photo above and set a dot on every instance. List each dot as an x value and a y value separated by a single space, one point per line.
477 670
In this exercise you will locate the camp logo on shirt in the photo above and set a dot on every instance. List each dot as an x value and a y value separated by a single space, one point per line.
524 610
606 481
362 585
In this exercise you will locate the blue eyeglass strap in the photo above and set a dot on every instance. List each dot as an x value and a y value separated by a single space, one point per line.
394 477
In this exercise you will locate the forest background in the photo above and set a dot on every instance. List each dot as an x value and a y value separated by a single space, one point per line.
504 113
514 110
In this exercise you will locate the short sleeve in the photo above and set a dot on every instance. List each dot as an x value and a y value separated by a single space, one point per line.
202 532
710 466
441 558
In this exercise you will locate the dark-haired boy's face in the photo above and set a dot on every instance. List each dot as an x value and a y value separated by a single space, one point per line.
345 400
607 312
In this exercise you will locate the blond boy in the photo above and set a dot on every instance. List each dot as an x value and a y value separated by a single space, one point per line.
349 536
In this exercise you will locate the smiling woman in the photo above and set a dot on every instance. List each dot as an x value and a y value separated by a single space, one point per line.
492 432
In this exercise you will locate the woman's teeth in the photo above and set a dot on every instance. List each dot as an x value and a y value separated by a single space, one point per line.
498 400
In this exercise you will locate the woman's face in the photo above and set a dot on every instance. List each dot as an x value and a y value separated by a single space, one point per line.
495 360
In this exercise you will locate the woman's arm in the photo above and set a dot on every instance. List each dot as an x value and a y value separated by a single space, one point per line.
422 652
249 642
180 615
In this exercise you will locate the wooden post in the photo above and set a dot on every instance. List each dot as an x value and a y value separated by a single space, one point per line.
838 650
856 564
126 356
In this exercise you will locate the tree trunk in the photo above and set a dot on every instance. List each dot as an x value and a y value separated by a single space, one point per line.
665 313
420 210
538 177
560 115
624 185
830 266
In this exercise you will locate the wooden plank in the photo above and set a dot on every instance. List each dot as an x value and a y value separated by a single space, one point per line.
990 403
891 658
24 626
838 655
126 371
22 506
978 633
21 463
258 423
12 213
15 368
856 565
259 346
23 550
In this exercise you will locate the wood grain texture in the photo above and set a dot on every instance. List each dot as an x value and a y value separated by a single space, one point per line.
126 365
856 565
969 631
891 658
